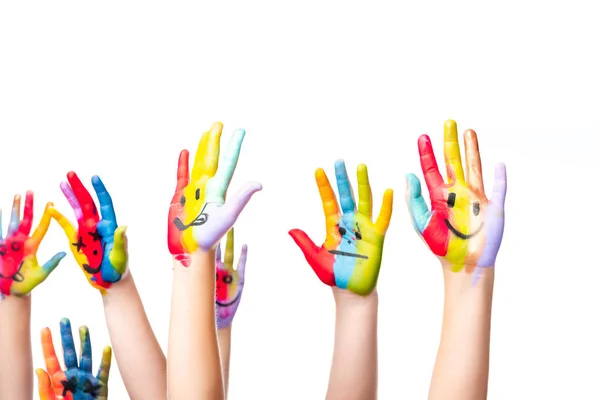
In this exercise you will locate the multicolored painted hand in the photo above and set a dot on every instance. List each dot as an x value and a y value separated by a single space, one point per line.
77 382
464 229
20 271
350 258
203 216
230 282
98 245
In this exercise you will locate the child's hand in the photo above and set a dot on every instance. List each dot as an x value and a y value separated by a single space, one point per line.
350 258
464 228
98 245
230 282
77 381
20 271
204 215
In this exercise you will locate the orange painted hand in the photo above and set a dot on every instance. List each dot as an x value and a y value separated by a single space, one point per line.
20 271
350 258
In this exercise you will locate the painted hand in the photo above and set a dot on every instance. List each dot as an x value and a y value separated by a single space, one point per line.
230 282
205 216
20 271
98 245
463 228
176 211
77 381
350 258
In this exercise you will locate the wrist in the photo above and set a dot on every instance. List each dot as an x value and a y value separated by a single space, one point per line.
346 299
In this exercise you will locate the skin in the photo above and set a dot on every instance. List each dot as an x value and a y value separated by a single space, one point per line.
464 229
137 350
16 365
224 337
356 329
193 365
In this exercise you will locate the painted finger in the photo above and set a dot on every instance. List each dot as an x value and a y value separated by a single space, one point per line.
199 157
73 202
118 255
40 232
107 209
50 358
452 152
88 207
85 362
344 188
218 185
218 253
15 216
365 198
68 344
385 214
52 263
473 159
27 221
104 371
45 389
328 199
1 226
64 223
315 257
499 193
236 203
433 178
183 171
419 212
241 266
210 161
229 247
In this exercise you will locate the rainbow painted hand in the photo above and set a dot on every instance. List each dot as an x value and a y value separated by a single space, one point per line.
230 282
201 197
98 245
20 271
463 228
77 382
350 258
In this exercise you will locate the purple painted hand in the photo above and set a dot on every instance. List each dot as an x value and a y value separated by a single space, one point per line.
230 282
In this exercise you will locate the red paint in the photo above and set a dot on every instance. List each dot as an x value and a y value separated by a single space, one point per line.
222 288
319 258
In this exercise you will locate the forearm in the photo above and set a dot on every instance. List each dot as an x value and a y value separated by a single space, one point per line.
141 361
354 366
462 364
16 365
194 370
225 353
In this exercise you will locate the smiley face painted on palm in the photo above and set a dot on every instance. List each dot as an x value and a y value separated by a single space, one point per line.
229 283
351 256
464 228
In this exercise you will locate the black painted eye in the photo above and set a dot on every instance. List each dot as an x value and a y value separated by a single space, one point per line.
476 208
197 194
358 236
15 246
228 279
451 199
217 277
182 200
95 252
342 230
2 250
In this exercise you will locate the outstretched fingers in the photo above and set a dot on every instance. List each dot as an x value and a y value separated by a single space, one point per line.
330 204
454 166
419 212
50 358
27 221
45 388
15 216
433 178
236 203
385 214
68 344
228 261
73 202
107 209
241 266
40 232
499 193
365 197
64 223
344 188
118 255
104 372
217 186
183 170
85 362
88 208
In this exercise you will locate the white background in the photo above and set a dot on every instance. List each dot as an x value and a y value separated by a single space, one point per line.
118 88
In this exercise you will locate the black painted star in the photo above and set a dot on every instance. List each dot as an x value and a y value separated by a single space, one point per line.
95 235
69 386
79 244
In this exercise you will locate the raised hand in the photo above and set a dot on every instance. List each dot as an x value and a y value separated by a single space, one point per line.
204 215
98 245
76 382
230 282
464 229
350 258
20 271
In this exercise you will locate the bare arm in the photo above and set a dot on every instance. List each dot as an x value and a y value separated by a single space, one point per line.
355 348
16 365
194 370
141 361
462 364
225 352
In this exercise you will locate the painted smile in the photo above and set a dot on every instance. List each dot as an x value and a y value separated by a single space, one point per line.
199 220
237 296
91 270
17 277
344 253
461 235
